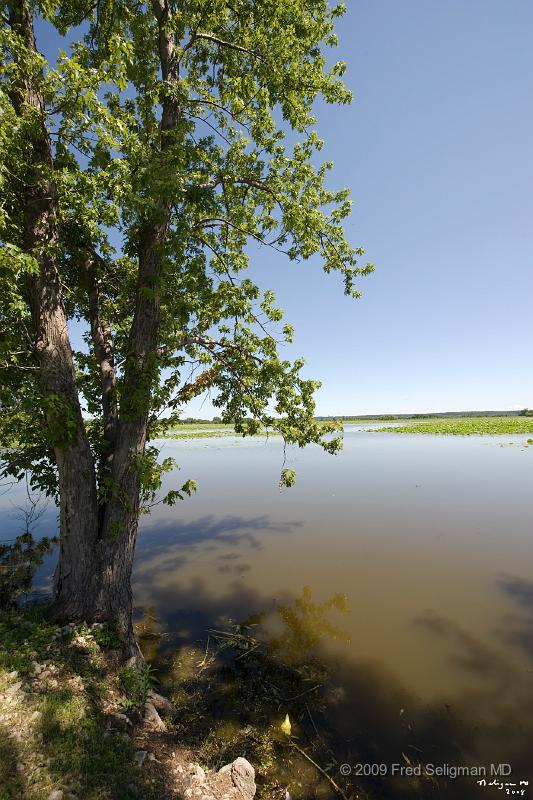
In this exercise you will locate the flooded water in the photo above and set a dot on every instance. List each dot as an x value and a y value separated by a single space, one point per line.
407 561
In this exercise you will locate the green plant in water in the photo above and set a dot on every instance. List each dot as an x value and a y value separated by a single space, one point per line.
480 426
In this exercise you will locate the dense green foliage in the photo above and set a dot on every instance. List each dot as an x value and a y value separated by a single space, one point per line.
487 426
239 166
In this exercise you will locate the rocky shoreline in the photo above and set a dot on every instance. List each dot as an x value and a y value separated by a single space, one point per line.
65 734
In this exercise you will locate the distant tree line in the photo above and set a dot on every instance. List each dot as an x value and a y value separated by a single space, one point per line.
526 412
433 415
197 421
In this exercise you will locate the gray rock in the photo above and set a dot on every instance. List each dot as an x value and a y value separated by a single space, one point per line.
235 781
197 774
57 794
135 661
163 705
140 757
117 720
14 689
152 718
242 776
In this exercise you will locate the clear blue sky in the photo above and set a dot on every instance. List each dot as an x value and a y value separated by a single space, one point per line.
438 151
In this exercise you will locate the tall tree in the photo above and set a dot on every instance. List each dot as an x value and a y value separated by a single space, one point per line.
138 174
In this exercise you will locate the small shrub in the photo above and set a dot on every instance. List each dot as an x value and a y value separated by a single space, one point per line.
108 635
136 685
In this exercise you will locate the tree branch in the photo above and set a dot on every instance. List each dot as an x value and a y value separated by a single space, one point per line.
252 182
209 344
209 37
212 223
219 107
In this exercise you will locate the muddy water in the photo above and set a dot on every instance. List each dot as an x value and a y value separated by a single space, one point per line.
430 539
424 547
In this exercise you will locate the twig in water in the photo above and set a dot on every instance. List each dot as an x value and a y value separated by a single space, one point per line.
322 771
247 652
229 634
204 660
296 696
312 721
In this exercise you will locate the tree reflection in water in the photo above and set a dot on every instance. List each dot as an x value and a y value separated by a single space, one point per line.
234 686
234 689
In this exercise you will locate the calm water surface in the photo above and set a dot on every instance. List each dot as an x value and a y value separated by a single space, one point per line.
429 538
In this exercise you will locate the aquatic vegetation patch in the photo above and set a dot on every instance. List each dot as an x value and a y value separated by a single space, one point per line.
471 426
198 434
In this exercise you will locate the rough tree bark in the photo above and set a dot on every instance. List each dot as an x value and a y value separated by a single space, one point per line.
119 528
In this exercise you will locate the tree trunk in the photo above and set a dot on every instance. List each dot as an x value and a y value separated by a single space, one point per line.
118 532
77 481
97 542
